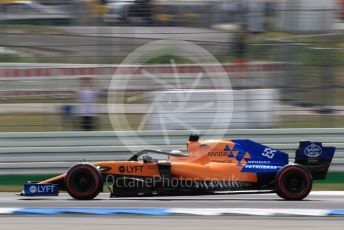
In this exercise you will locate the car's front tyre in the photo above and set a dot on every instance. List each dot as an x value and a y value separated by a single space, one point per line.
83 181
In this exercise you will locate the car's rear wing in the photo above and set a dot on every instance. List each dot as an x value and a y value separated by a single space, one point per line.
315 157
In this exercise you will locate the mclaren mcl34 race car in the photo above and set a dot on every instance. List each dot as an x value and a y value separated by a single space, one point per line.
207 167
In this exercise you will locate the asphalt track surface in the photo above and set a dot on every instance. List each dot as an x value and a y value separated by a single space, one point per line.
316 200
168 223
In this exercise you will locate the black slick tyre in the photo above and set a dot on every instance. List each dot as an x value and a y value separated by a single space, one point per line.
293 182
83 181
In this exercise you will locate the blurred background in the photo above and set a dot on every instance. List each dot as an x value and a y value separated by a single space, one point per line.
61 74
284 58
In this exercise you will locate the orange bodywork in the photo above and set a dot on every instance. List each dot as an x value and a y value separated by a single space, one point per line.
206 160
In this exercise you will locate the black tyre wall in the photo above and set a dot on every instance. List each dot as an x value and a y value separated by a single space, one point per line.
293 182
83 181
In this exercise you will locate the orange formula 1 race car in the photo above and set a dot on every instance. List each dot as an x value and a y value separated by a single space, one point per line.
209 166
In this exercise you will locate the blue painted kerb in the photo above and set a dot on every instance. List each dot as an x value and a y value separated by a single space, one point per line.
93 211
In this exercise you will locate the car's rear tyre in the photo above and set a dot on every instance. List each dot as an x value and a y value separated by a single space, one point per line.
83 182
293 182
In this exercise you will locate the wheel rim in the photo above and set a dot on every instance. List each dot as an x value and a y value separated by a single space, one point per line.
295 182
83 181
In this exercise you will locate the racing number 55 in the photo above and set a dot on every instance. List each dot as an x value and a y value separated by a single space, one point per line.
269 153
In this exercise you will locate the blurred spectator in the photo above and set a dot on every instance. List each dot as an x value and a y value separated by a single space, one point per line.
144 10
87 96
256 16
341 12
67 116
97 8
242 12
241 45
270 8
